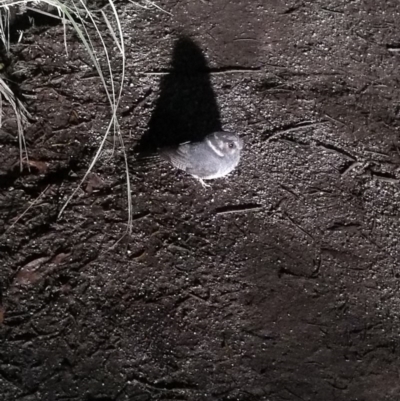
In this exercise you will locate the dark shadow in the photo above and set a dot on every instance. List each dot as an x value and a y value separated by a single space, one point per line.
186 109
23 21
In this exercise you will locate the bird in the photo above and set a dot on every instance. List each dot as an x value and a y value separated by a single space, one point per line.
215 156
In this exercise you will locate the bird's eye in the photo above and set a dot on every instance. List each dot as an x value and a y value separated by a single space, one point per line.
231 145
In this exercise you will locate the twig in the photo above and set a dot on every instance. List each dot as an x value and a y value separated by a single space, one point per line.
238 209
299 227
350 168
39 11
334 119
213 71
383 178
306 124
199 299
335 149
328 10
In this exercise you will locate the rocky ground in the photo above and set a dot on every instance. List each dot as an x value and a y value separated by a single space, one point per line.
278 283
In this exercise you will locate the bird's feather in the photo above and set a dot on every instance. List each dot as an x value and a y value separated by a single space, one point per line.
207 159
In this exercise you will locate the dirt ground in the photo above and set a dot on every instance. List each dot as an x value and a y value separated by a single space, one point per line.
280 282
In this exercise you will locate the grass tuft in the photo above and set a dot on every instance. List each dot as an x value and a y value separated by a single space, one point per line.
76 15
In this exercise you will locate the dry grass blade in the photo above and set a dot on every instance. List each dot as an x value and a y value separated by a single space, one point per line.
21 115
148 5
33 203
77 15
112 97
5 27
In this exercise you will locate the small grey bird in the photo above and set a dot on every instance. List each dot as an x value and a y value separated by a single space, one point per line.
215 156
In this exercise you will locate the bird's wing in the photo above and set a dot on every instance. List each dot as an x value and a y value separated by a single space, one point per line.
195 159
203 171
179 156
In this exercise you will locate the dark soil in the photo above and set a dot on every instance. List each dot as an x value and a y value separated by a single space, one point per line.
278 283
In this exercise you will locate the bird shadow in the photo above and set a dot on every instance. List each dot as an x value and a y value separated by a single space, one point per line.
186 109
